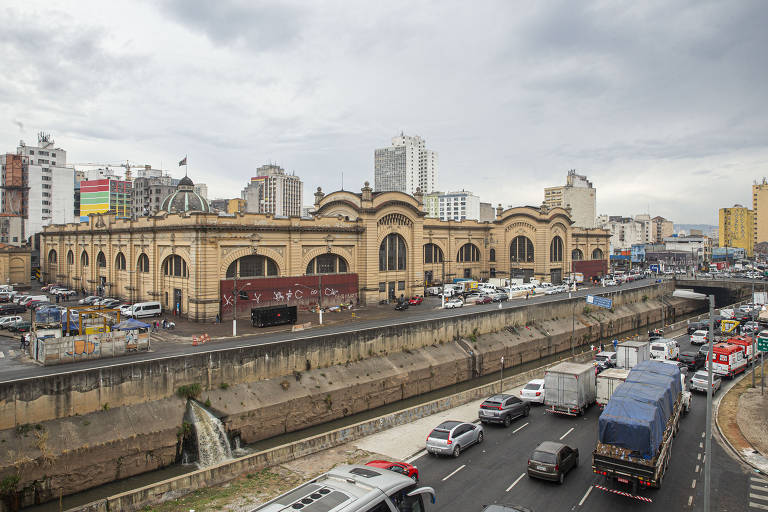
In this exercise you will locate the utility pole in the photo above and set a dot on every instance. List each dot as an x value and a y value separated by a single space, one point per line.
501 380
708 433
235 292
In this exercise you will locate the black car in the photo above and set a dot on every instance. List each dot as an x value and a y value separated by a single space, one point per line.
401 305
694 359
552 460
12 309
697 326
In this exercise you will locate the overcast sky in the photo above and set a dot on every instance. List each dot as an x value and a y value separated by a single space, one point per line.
662 104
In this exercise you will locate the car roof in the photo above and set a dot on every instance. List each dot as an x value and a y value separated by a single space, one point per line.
499 397
549 446
449 425
536 381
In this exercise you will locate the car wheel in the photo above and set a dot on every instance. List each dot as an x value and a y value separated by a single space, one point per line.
507 421
457 451
577 463
415 477
527 411
479 438
561 478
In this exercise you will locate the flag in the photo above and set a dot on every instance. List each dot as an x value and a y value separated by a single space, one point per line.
183 161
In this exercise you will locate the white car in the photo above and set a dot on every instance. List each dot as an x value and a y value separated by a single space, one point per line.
8 320
453 303
699 337
610 282
533 391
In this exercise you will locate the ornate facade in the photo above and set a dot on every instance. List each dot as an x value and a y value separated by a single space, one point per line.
385 238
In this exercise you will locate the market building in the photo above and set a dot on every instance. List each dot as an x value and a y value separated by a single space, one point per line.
364 247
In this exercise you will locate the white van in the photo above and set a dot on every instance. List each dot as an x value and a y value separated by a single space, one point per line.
145 309
29 298
663 348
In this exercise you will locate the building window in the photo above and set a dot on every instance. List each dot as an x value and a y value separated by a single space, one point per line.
382 286
577 255
327 264
84 259
521 249
143 263
392 253
175 266
492 255
101 260
70 258
468 252
597 254
252 266
401 285
433 254
120 261
52 257
556 250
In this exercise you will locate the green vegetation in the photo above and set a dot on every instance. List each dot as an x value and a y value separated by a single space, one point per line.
207 402
224 386
189 391
9 484
185 430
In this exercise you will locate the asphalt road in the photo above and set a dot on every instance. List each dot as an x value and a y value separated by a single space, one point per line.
11 370
495 471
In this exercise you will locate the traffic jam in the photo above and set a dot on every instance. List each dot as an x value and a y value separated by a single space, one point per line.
600 430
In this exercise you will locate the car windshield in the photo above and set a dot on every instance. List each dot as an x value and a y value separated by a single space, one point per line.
545 457
687 355
491 403
700 333
660 348
532 386
700 376
439 434
601 358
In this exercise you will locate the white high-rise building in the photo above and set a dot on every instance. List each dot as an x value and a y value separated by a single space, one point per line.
51 193
273 191
406 166
461 205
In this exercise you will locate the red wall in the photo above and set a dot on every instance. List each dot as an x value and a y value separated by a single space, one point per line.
274 291
591 268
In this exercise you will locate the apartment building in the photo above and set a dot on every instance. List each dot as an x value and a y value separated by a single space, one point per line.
760 211
273 191
405 166
737 228
578 195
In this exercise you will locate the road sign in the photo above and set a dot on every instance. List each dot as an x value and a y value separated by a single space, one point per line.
600 302
762 344
654 268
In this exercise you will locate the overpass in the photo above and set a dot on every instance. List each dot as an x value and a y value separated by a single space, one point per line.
726 291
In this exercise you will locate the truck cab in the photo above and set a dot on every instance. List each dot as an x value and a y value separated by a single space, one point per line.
728 360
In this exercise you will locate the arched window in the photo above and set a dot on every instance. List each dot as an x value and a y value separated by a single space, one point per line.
70 258
556 249
120 261
175 266
433 253
597 254
521 249
101 260
492 255
577 255
327 264
84 259
252 266
392 253
143 264
53 258
468 252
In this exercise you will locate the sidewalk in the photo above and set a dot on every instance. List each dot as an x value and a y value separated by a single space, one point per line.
743 422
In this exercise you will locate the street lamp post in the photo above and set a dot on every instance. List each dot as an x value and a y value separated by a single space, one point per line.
690 294
319 300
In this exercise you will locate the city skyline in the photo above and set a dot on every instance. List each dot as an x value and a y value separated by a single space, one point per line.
647 100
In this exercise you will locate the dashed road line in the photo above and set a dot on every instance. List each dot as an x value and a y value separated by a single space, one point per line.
758 496
519 428
693 484
2 355
690 500
515 482
569 431
758 505
454 472
697 469
758 487
703 434
698 457
586 495
701 445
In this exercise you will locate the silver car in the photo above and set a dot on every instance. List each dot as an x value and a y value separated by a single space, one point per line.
451 437
699 382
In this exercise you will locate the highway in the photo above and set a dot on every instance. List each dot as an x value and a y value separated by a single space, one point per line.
11 370
494 471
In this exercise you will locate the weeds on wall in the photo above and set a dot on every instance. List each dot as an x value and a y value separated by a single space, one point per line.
189 391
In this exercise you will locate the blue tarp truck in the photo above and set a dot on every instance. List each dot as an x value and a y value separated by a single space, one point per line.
636 428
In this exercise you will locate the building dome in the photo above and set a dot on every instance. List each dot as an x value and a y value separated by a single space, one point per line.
185 199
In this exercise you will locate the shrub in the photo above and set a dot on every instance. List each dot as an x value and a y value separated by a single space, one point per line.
208 402
189 391
223 385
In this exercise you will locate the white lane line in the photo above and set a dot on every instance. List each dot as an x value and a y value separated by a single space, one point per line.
690 500
758 479
698 457
454 472
2 355
519 428
697 469
515 482
416 456
758 487
569 431
758 496
702 435
701 445
693 484
586 495
752 504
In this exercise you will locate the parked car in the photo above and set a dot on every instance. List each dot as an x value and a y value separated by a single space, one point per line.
610 282
484 299
66 293
472 298
605 360
453 303
502 408
398 467
699 382
693 359
22 326
8 320
699 337
551 461
87 301
401 306
10 309
533 391
451 437
500 296
415 301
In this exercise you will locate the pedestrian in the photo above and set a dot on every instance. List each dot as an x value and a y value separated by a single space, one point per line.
218 318
526 295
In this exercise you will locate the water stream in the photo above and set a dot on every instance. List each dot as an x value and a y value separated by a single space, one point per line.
212 441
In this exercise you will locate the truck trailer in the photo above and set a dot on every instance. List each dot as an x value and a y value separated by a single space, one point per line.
629 353
607 382
570 388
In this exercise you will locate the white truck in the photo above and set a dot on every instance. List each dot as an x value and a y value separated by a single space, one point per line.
570 388
629 353
607 381
663 348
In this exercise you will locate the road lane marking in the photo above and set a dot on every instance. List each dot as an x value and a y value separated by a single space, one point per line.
515 482
417 456
759 479
758 505
693 484
758 496
569 431
758 487
519 428
586 495
702 435
690 500
701 445
698 457
454 472
697 469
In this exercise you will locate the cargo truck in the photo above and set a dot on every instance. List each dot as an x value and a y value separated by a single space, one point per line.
629 353
637 427
607 382
570 388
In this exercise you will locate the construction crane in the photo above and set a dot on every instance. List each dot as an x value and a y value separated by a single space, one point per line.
127 165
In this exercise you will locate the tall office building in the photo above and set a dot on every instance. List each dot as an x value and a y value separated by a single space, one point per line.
405 166
39 186
760 210
579 195
149 193
273 191
737 228
461 205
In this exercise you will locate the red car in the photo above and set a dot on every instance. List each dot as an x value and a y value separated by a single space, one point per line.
415 301
485 299
398 467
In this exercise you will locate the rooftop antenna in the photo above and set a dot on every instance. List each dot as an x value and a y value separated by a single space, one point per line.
342 180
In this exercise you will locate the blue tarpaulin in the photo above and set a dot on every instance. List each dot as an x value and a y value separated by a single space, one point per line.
631 424
131 324
657 367
648 393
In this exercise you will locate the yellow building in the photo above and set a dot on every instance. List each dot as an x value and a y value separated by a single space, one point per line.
737 228
379 244
236 205
760 211
15 265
